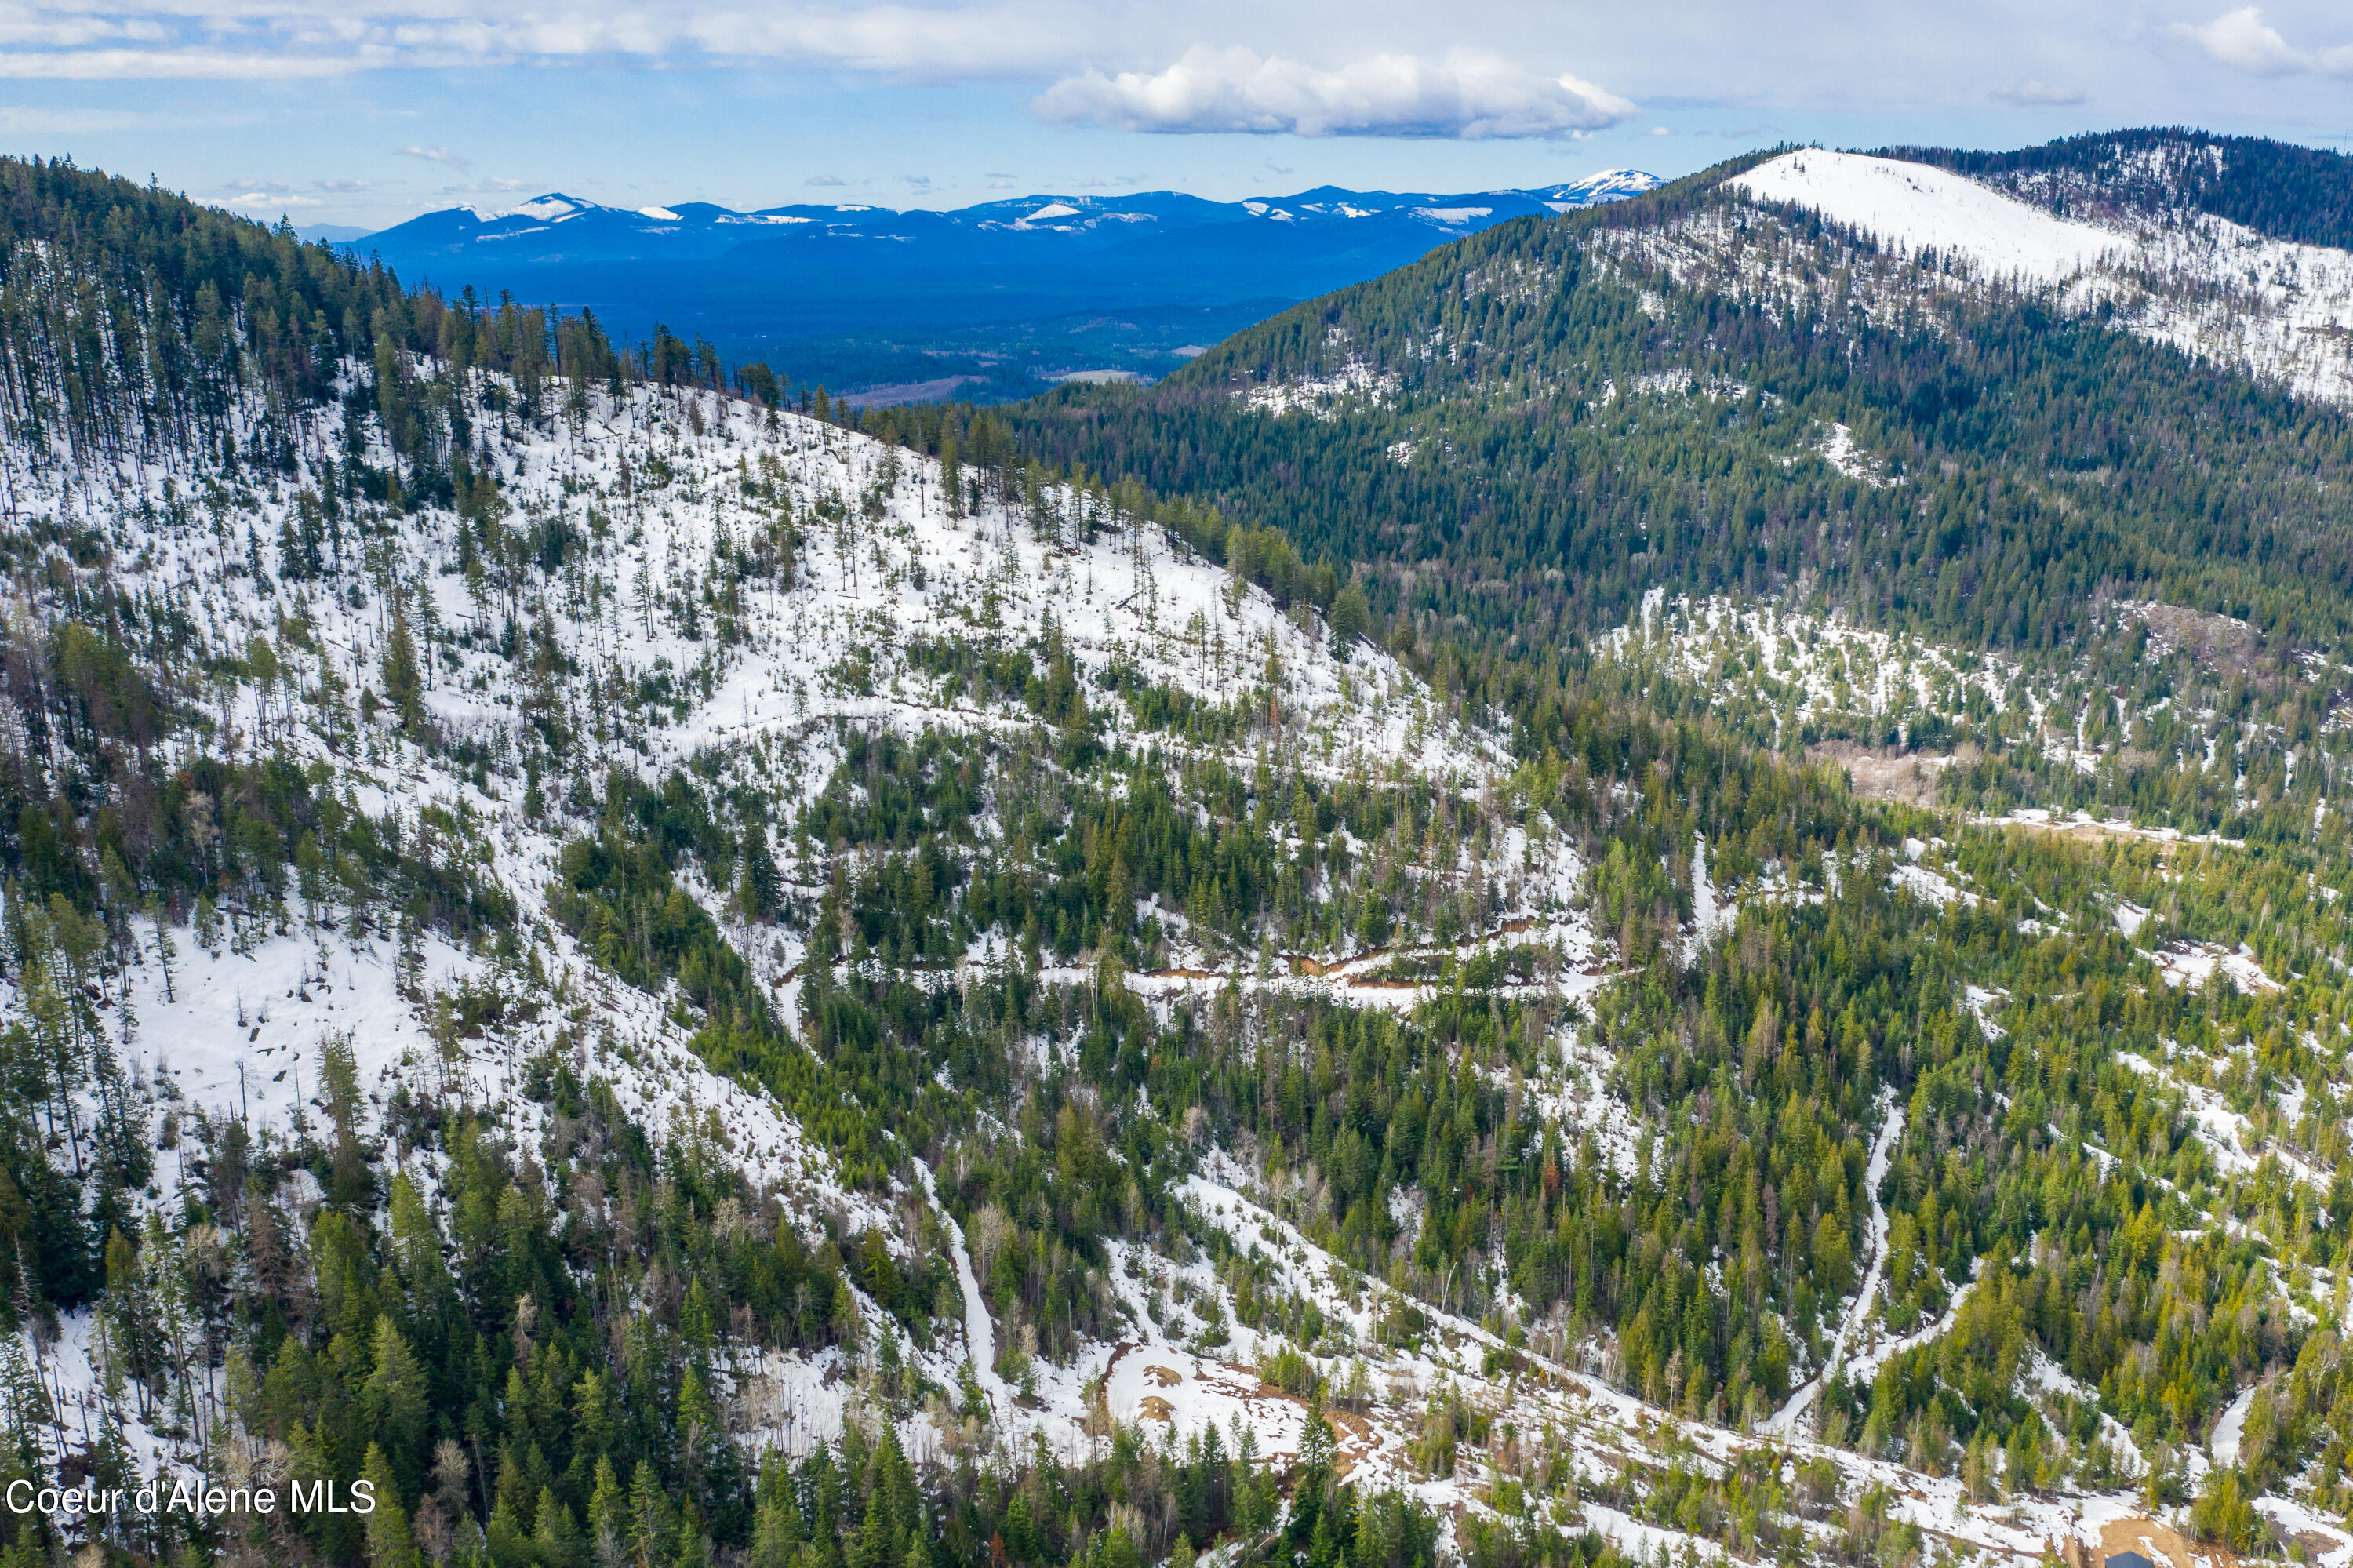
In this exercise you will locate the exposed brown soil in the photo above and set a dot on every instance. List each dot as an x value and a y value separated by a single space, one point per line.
2159 1542
2218 642
1887 773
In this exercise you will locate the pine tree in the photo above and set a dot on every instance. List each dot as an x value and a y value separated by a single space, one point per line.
389 1544
403 681
393 1400
608 1516
557 1543
650 1529
776 1528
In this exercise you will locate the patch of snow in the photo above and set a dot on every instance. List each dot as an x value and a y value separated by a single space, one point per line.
1850 1323
2213 288
2224 1445
1322 395
1922 207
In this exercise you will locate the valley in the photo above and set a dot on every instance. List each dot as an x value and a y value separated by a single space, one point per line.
987 304
1599 902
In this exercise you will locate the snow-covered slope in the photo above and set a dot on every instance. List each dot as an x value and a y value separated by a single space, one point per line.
2279 311
1922 207
1093 1155
755 683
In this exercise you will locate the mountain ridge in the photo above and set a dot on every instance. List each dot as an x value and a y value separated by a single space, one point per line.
858 297
448 228
1673 885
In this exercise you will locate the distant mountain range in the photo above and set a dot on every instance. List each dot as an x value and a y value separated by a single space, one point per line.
1002 296
556 229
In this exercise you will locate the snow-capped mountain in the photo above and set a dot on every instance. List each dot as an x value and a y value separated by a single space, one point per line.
988 301
558 227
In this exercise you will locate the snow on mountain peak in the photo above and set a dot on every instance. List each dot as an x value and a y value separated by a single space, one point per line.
553 207
2214 289
1593 190
1921 207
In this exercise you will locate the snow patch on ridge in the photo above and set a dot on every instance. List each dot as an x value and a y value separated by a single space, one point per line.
1923 208
2216 290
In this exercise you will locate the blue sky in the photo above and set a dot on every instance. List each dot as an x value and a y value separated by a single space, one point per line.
367 111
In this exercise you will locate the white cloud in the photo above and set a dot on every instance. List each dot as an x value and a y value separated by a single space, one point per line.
490 186
2243 40
271 39
1466 94
51 29
2037 95
1125 63
437 155
159 65
269 194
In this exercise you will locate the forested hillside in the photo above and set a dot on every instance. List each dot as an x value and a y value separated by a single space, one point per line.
1458 936
1849 506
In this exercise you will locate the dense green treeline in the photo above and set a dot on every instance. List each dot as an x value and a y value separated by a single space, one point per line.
131 315
2303 193
1530 513
1554 466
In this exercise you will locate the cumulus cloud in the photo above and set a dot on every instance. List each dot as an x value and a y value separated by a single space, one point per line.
442 156
2243 38
1466 94
2037 95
